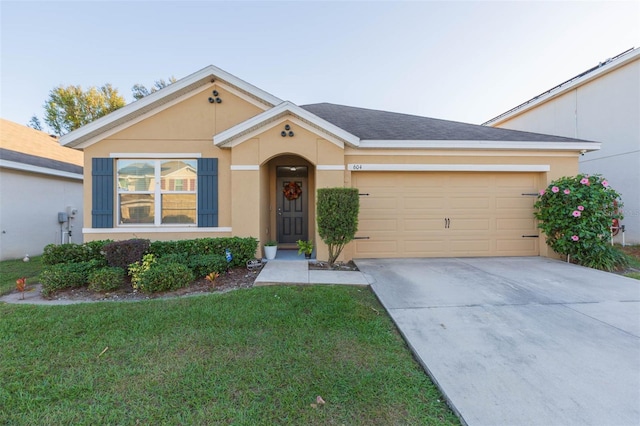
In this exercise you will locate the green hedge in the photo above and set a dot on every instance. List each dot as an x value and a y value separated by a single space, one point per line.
165 277
66 275
106 279
242 249
73 253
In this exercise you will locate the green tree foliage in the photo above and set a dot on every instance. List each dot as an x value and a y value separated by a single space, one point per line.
35 123
69 108
576 214
140 91
337 216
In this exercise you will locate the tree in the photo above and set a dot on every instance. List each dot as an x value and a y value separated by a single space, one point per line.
576 214
140 91
35 123
337 216
69 108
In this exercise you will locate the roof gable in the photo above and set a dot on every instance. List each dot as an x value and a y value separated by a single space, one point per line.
83 136
254 125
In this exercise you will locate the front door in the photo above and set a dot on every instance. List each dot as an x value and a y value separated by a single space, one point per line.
292 199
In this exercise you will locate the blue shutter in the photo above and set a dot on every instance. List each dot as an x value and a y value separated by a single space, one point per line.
207 192
102 192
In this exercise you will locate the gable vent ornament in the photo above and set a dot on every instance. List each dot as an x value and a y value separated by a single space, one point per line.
287 131
215 99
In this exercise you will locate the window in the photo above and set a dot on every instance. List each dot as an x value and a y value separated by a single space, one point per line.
156 192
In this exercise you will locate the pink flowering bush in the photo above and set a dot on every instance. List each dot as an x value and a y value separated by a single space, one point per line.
575 214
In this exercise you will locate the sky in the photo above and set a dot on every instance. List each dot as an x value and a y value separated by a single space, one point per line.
462 61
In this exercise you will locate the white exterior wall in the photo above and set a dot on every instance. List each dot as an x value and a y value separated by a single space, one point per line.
29 206
606 110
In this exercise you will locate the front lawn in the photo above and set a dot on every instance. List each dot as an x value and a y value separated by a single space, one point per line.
258 356
11 270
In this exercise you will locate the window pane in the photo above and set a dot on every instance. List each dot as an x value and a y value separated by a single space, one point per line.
136 208
135 175
178 208
178 175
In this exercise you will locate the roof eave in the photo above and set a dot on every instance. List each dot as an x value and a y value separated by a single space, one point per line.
578 146
228 136
206 75
552 94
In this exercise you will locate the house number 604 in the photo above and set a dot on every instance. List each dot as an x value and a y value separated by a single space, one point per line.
357 167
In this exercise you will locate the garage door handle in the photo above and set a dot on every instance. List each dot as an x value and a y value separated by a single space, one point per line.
530 236
447 223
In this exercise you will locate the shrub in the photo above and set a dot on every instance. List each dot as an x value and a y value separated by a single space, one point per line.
66 275
164 277
106 279
124 253
337 216
138 269
204 264
182 258
242 249
73 253
575 214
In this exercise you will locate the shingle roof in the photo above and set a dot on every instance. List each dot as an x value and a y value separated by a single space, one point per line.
370 124
26 145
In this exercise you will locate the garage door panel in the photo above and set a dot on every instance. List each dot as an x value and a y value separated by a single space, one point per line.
379 224
522 224
423 224
516 246
475 202
405 214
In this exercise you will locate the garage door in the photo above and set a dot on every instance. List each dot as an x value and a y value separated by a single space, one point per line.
446 214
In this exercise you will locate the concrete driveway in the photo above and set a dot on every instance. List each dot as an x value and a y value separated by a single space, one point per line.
519 341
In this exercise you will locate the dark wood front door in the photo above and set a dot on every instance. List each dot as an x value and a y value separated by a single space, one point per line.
292 199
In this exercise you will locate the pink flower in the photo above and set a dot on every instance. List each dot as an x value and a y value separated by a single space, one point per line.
576 213
542 192
581 208
555 189
567 192
584 181
605 183
575 237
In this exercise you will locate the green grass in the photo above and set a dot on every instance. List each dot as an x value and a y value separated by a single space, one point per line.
11 270
249 357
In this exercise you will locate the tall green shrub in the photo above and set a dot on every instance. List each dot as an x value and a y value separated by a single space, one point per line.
576 214
337 216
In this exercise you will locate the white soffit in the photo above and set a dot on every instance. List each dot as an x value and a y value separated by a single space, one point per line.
493 145
358 167
256 124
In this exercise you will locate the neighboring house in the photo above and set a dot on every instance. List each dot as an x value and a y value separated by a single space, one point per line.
38 179
428 187
600 104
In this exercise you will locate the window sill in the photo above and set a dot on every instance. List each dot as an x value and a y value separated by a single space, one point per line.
154 229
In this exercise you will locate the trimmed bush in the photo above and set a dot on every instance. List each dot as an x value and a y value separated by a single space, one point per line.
204 264
337 217
165 277
242 249
123 253
66 275
106 279
182 258
73 253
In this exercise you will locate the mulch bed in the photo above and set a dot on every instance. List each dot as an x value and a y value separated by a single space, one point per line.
233 280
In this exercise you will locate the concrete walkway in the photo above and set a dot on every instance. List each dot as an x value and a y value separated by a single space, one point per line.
298 272
519 341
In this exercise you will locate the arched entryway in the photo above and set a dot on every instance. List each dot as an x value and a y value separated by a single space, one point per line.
292 195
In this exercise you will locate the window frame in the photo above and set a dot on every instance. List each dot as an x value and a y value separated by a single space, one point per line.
157 191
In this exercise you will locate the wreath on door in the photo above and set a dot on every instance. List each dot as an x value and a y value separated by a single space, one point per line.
292 191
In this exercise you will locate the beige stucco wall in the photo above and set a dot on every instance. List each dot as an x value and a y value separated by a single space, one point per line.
247 166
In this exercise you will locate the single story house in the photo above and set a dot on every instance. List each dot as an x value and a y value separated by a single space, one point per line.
247 163
38 180
603 104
